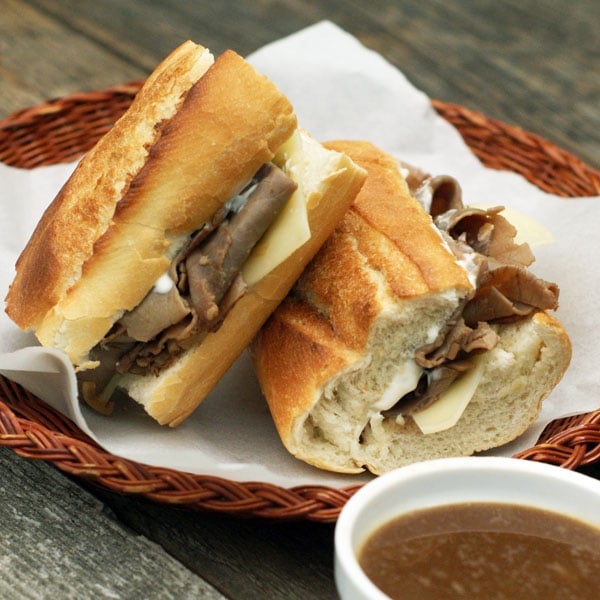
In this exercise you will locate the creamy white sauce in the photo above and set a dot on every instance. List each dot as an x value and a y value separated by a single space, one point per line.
237 202
424 195
403 382
163 285
432 333
443 221
469 264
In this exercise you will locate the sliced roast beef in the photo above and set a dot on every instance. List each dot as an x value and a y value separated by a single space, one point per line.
431 386
446 195
212 267
487 232
508 292
505 290
458 341
437 194
161 351
206 283
157 312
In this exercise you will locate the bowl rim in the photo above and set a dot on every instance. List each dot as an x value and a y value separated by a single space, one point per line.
574 486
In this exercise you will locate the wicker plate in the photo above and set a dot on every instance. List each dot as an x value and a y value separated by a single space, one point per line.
62 129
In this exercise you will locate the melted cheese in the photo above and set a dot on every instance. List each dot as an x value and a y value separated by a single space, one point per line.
528 229
291 228
445 412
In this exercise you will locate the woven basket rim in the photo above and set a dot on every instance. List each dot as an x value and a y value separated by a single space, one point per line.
36 431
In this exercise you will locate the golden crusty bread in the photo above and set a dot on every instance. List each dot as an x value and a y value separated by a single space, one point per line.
116 224
194 137
82 212
388 258
330 183
382 286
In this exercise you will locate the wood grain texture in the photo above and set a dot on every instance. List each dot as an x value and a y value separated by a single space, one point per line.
59 541
532 64
43 57
529 63
243 558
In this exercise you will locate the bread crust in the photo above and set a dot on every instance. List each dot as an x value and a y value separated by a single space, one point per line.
375 264
175 393
290 380
385 231
329 330
428 265
65 236
231 121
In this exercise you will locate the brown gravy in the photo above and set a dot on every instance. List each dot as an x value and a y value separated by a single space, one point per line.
482 550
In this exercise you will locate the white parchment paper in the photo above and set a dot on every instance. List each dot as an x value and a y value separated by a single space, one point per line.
339 89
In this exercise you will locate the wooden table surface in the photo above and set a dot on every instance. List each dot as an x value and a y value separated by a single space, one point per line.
530 63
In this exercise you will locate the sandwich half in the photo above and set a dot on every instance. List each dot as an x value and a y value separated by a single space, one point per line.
416 332
179 233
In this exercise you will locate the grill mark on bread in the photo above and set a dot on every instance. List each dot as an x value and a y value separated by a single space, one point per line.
340 255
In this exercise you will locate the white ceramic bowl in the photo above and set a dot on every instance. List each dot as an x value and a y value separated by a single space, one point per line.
451 481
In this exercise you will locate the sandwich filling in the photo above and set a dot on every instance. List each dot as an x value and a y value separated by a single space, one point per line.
398 379
504 291
203 283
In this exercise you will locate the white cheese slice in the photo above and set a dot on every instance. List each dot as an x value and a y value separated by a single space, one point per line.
528 229
291 228
445 412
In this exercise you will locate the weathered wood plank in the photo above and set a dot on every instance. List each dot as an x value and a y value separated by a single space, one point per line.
42 58
527 64
245 558
59 541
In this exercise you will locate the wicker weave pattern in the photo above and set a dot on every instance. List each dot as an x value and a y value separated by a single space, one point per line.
35 431
510 148
571 443
61 130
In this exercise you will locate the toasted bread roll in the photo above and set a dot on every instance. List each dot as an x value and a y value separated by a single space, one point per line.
345 360
132 229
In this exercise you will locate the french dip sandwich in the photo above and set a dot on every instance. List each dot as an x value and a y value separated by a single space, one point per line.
179 233
416 332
